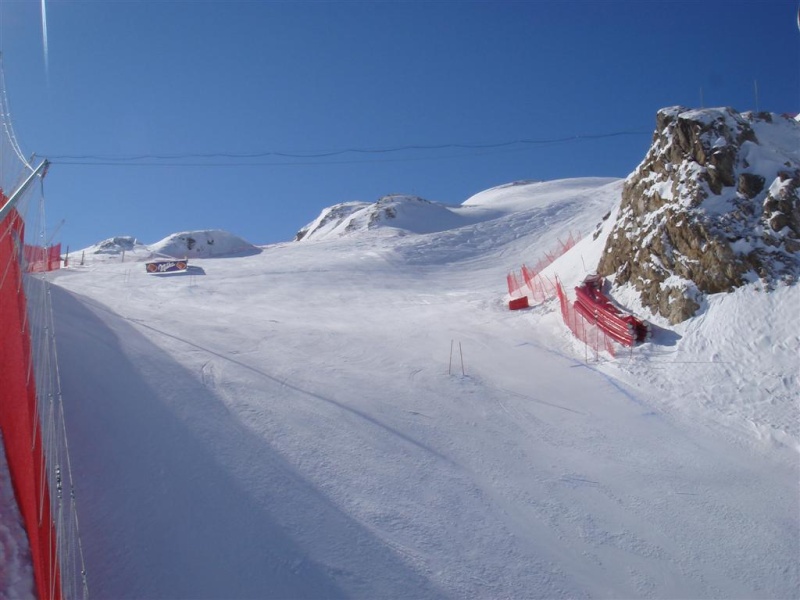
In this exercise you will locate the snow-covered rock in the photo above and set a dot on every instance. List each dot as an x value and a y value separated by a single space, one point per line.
713 205
203 244
116 245
331 221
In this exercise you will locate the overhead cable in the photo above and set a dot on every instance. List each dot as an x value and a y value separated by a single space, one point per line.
230 157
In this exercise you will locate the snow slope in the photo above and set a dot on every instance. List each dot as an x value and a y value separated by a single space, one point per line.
297 424
16 571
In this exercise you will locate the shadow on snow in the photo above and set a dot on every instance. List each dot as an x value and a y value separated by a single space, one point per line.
177 499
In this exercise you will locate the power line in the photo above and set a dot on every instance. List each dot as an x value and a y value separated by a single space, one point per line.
250 159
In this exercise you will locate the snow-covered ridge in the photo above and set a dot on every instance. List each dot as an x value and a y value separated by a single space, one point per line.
402 214
399 212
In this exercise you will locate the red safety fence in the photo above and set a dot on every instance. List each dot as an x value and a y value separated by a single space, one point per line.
538 287
586 331
38 259
18 415
561 249
514 286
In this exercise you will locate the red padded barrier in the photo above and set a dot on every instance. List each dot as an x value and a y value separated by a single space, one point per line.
518 303
582 328
595 306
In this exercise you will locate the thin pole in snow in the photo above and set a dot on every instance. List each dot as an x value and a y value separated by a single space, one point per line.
462 359
450 366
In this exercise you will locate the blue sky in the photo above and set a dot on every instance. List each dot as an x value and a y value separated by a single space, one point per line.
205 83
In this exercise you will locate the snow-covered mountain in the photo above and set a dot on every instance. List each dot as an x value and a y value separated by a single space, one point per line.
360 415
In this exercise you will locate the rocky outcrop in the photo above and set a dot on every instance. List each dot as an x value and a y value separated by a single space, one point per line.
713 205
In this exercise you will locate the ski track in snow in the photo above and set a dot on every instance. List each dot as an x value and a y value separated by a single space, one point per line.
284 425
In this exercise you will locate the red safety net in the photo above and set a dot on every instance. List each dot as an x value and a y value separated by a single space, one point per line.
586 331
532 283
38 259
540 286
514 286
18 415
550 257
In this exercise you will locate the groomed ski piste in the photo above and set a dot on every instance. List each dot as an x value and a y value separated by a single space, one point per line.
359 415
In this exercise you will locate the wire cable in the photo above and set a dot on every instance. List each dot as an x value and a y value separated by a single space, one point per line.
177 159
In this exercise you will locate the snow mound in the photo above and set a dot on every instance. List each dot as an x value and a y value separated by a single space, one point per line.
209 243
203 244
116 245
330 220
399 212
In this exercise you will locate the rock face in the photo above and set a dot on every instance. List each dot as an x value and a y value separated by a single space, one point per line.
713 205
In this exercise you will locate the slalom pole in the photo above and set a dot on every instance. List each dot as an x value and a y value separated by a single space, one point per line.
450 366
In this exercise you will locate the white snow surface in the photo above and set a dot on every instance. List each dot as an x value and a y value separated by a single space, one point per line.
16 569
297 423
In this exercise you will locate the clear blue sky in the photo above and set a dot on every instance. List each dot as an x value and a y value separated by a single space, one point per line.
178 78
